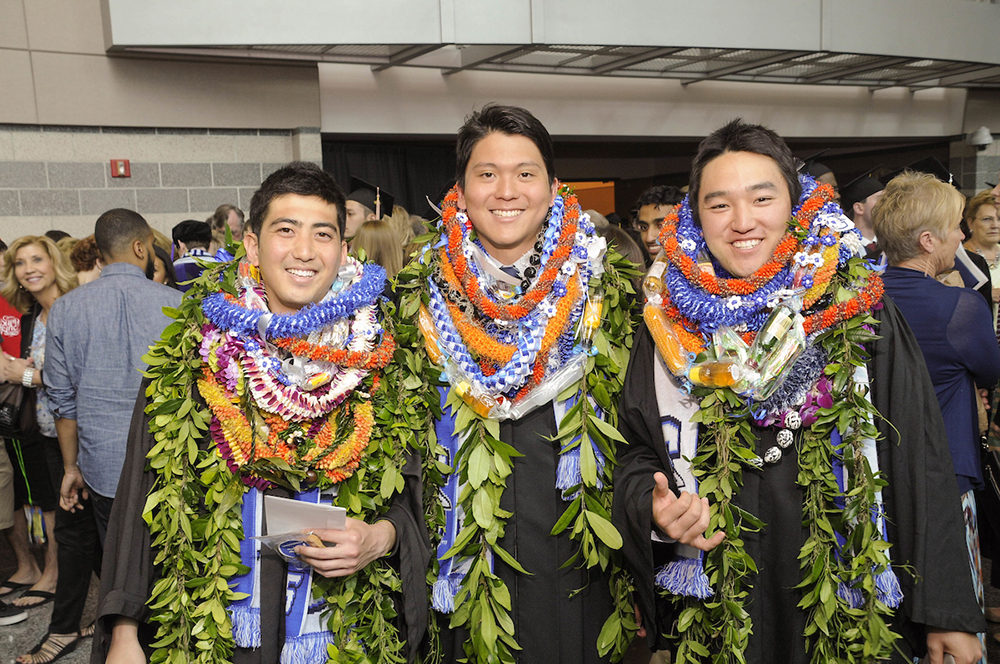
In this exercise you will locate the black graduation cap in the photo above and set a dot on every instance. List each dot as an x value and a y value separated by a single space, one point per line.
371 196
859 189
991 185
930 165
814 168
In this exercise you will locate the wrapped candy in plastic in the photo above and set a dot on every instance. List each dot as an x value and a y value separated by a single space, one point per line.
667 341
426 326
591 319
652 284
729 345
715 373
483 404
778 344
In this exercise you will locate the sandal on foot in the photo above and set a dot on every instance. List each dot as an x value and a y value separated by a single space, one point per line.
88 631
11 587
45 597
49 649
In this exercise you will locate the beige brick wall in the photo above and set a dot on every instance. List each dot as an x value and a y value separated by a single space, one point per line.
58 177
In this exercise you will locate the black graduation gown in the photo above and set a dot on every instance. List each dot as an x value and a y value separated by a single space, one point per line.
925 523
549 625
128 573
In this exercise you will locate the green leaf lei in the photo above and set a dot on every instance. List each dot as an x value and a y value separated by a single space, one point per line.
483 603
718 629
193 509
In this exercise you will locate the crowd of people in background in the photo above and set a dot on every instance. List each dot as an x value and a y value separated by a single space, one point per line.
66 291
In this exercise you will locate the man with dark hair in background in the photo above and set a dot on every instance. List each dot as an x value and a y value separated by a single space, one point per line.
191 241
858 199
97 336
653 205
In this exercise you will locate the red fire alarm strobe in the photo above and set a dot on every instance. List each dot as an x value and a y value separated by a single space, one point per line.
120 169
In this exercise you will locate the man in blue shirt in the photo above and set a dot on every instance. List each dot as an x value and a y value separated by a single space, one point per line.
97 335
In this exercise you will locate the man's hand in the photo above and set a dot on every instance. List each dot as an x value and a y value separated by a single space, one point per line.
125 648
73 491
963 646
683 519
350 549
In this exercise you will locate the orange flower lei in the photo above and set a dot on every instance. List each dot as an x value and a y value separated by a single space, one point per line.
726 287
470 284
377 358
324 451
490 353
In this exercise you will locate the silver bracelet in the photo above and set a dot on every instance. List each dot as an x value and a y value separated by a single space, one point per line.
27 377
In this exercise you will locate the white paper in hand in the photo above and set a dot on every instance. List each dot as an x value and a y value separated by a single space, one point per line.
284 515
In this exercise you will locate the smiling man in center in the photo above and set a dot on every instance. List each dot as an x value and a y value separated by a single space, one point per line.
509 300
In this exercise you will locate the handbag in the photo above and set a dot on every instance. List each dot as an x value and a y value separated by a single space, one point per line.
17 410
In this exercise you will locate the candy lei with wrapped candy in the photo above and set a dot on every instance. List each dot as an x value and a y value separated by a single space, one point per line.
503 353
321 411
821 401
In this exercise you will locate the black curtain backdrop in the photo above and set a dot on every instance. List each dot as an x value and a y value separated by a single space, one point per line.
409 172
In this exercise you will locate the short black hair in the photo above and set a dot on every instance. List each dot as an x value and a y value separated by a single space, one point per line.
509 120
193 233
302 178
162 254
117 229
56 235
661 194
738 136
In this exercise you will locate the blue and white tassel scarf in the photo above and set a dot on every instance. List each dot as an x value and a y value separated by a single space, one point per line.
306 636
685 574
453 570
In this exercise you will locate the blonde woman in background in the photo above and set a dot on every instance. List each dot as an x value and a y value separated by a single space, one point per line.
35 274
381 244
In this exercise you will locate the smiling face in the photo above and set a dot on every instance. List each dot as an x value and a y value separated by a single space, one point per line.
34 270
649 221
744 207
299 251
507 194
984 228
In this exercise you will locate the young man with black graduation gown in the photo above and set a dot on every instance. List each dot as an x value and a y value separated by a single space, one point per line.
515 258
294 240
743 188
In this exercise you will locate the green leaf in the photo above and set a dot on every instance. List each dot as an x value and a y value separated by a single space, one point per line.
604 530
509 559
479 465
482 509
607 429
567 516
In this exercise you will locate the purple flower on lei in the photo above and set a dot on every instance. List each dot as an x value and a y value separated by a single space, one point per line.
818 397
